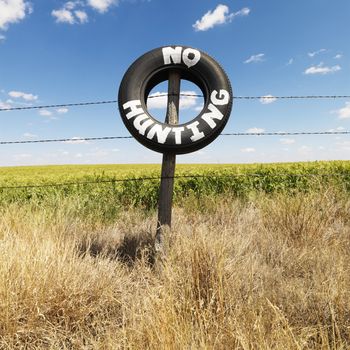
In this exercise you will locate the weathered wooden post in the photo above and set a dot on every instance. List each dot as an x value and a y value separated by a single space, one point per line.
173 63
169 161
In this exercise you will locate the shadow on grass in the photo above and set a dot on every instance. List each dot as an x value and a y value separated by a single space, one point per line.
129 250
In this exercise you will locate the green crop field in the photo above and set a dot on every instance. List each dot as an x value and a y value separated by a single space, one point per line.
257 258
98 186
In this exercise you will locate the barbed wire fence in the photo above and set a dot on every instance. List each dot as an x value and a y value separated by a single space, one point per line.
103 102
188 176
158 178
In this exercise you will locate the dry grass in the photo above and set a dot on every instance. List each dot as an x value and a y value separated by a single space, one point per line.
271 273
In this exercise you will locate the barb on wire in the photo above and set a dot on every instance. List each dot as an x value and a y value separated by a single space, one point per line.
140 179
80 139
90 103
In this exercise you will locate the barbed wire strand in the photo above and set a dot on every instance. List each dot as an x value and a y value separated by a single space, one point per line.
85 139
287 133
171 177
90 103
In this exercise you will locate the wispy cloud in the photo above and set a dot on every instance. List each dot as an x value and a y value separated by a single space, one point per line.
267 99
81 15
343 113
291 61
322 69
13 11
28 135
255 130
287 141
338 56
339 128
102 5
69 13
62 110
220 15
45 113
161 100
314 53
23 95
4 105
255 58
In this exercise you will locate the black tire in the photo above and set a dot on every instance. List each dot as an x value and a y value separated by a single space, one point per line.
151 69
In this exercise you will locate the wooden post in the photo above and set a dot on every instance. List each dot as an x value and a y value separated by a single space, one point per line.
169 162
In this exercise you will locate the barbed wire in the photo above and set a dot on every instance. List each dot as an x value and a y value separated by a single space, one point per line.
140 179
57 105
282 133
90 103
66 140
85 139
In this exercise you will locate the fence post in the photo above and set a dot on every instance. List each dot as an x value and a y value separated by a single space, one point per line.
169 163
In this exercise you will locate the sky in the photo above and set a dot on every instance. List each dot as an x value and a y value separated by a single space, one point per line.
57 52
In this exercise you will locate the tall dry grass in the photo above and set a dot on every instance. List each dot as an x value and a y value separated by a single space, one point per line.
268 273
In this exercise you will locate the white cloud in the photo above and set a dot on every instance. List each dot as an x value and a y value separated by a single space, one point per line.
45 113
158 100
199 108
338 56
339 128
82 16
248 150
343 113
4 105
23 95
255 130
102 5
255 58
291 60
29 135
322 69
218 16
63 16
12 11
161 101
287 141
2 38
67 15
313 54
267 99
62 110
71 5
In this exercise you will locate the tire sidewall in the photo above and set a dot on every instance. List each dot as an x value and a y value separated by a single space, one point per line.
148 71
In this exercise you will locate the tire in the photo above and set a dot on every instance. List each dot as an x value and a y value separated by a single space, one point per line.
153 68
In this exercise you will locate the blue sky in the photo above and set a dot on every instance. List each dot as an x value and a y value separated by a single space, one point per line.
61 52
